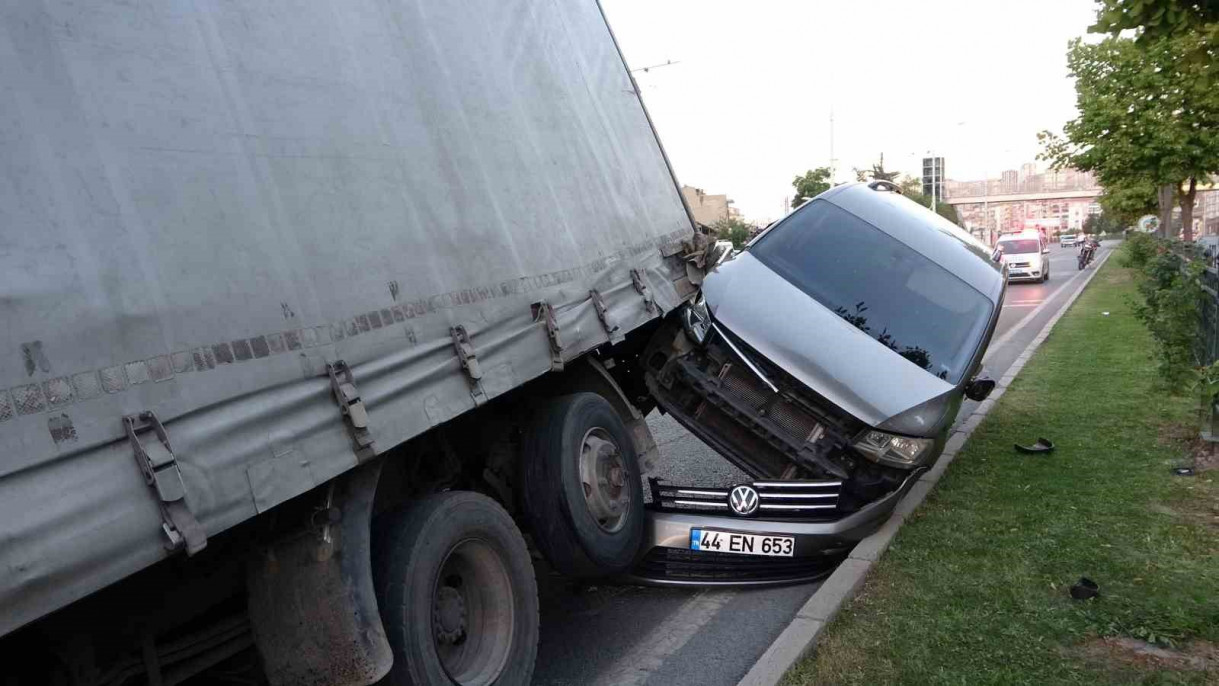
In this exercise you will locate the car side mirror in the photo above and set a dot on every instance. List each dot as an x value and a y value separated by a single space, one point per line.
979 387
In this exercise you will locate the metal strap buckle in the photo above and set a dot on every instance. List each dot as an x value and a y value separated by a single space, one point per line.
355 415
160 469
469 362
611 329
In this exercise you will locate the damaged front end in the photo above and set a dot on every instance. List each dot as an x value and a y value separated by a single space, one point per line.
763 420
809 483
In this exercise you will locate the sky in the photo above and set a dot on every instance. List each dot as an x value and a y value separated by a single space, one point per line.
747 105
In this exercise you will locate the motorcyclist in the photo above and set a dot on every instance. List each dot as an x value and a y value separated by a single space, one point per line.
1087 250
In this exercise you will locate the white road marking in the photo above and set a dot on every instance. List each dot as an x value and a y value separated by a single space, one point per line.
666 638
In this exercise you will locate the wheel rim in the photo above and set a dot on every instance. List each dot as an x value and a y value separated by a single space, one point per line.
603 476
473 614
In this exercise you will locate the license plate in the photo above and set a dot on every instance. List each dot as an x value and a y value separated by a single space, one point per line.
742 544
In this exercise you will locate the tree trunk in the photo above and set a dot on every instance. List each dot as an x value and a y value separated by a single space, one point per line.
1187 209
1165 200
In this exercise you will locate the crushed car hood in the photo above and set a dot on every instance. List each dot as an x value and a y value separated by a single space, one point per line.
817 347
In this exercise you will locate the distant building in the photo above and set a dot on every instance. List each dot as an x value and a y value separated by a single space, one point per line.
1027 171
933 177
1206 208
709 209
1009 181
1059 200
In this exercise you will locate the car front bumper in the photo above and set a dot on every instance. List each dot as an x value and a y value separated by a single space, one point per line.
1024 276
820 545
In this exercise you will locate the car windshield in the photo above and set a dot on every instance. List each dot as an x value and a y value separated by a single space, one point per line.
880 285
1021 247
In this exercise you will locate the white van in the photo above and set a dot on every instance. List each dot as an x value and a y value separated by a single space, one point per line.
1025 256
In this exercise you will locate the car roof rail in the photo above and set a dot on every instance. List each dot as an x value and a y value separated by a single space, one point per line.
884 184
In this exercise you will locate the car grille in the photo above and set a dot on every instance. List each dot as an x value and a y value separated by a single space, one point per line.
677 564
776 499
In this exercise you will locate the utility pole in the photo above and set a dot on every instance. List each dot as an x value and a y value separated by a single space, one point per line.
833 162
933 185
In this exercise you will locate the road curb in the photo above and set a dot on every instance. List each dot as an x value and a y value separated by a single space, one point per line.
800 636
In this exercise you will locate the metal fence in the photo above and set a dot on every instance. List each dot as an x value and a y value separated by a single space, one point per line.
1206 346
1206 343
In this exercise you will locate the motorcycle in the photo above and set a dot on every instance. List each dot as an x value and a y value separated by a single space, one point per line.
1087 252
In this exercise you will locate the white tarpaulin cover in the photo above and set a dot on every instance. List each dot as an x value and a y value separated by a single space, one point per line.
201 204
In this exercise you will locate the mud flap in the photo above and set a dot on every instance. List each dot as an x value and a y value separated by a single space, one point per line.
311 597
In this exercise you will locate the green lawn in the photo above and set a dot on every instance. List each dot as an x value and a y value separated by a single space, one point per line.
974 589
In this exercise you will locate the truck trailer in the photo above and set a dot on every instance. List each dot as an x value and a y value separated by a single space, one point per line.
311 313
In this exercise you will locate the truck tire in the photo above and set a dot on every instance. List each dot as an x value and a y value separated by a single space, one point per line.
582 494
457 594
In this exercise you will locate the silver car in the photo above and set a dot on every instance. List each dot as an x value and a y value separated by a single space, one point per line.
827 360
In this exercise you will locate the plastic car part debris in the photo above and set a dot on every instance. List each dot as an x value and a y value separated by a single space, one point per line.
1085 588
1183 471
1043 445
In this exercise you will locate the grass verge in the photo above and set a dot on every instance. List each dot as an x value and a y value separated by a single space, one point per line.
974 589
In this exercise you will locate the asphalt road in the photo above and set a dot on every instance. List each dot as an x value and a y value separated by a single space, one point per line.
616 634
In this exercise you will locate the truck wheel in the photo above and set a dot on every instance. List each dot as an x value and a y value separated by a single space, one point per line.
582 495
458 599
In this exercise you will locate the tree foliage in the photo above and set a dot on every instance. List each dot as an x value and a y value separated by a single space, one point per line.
1156 19
811 184
876 172
1128 201
912 187
734 230
1104 222
1172 293
1146 120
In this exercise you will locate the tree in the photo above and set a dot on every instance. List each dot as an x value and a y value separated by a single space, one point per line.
877 172
1146 119
813 183
734 230
1156 19
1097 224
1128 201
912 187
946 211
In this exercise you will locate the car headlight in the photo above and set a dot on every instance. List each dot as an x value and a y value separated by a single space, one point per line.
696 319
893 450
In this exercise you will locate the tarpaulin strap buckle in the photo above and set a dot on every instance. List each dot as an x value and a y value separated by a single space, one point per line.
543 312
351 406
611 329
641 286
469 362
159 466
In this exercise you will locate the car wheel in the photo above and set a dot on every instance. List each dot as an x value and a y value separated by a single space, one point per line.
583 497
458 598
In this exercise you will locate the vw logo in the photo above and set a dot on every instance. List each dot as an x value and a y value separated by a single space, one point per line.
743 500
